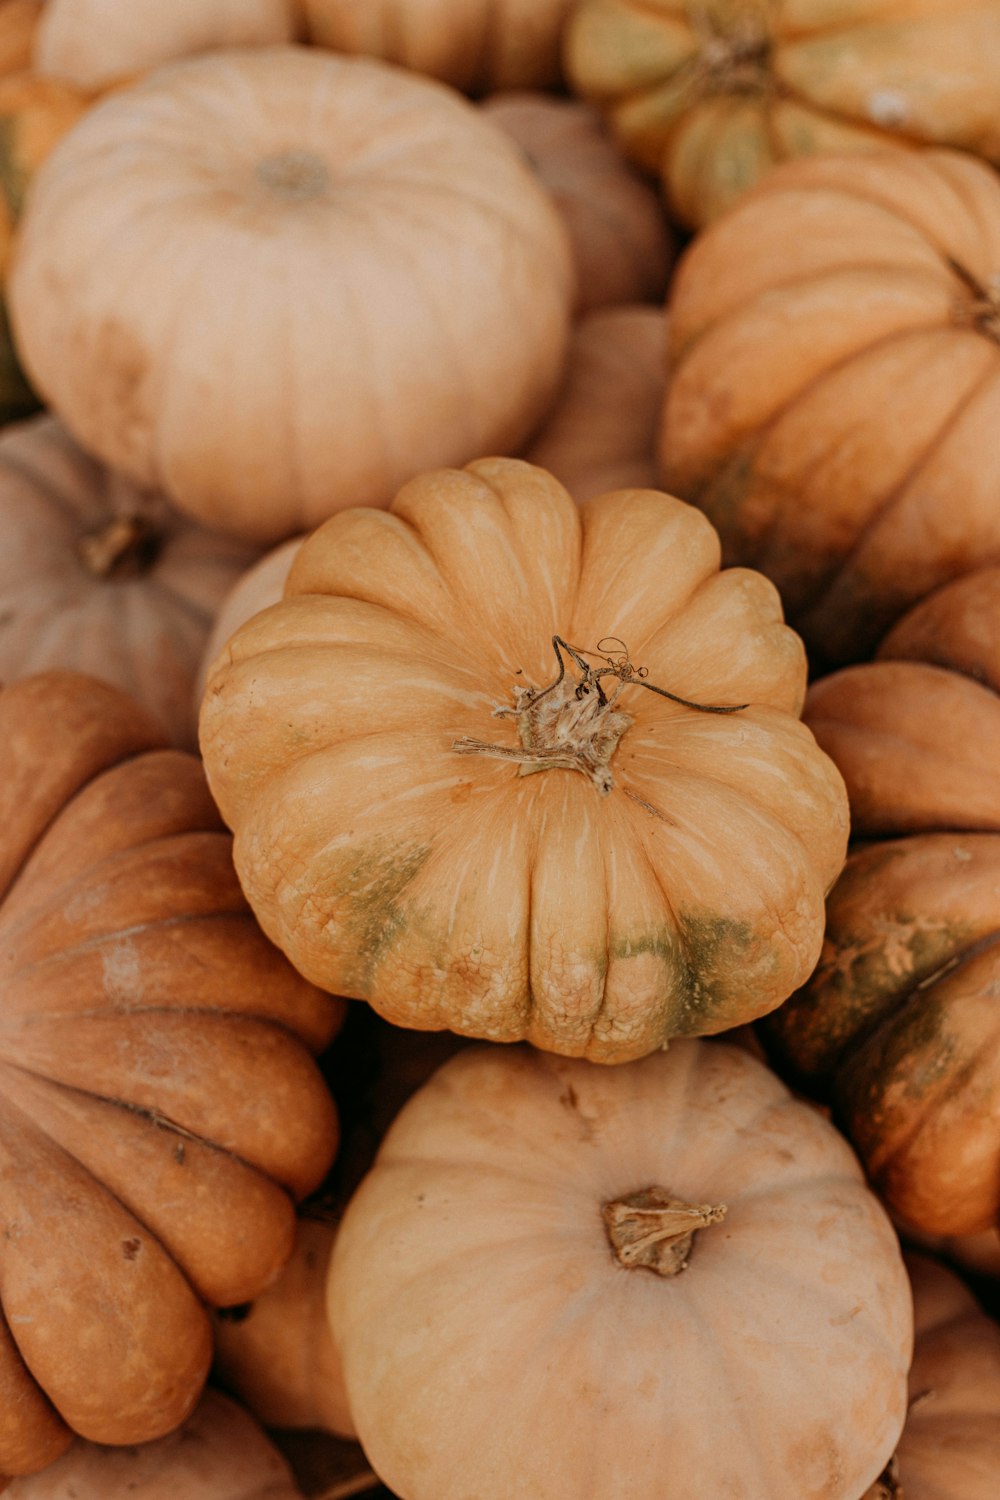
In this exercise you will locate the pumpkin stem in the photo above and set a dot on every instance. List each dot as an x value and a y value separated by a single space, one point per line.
888 1485
573 722
122 548
654 1229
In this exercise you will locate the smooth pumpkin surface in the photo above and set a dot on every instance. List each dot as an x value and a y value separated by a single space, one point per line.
317 276
94 42
160 1109
474 1259
621 245
835 357
899 1025
262 584
714 93
389 831
18 21
102 577
475 45
218 1454
601 433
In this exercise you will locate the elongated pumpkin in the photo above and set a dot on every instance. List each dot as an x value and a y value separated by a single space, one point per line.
899 1025
160 1109
507 766
561 1280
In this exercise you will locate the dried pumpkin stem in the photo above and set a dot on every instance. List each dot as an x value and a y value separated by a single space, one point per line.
122 548
655 1229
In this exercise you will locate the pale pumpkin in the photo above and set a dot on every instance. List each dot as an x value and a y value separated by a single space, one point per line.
713 93
261 585
648 1282
899 1025
835 387
94 42
160 1109
602 431
476 45
218 1454
370 741
621 245
317 276
100 576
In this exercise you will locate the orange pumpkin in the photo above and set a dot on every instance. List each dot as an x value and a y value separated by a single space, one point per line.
94 42
835 388
159 1106
601 432
899 1025
714 93
371 741
476 45
102 577
218 1454
554 1271
618 233
18 22
364 279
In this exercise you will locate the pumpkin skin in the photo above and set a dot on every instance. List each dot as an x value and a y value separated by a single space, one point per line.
621 244
446 887
473 1259
338 228
218 1454
899 1026
475 45
95 42
159 1106
711 94
601 433
261 585
99 576
835 356
18 21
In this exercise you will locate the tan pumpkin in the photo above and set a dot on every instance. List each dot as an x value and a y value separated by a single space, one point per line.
476 45
601 434
102 577
390 834
621 245
351 246
978 1254
94 42
899 1025
18 21
563 1280
713 93
835 388
950 1447
218 1454
159 1107
262 584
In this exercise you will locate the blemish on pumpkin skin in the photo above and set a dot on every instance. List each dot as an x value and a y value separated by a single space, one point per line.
131 1248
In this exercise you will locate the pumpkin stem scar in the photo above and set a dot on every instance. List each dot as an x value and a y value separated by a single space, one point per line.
124 547
573 723
888 1485
655 1230
980 309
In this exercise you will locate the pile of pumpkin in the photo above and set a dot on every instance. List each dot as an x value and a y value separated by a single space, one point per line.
414 590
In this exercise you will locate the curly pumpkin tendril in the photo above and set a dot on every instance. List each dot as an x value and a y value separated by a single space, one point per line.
573 723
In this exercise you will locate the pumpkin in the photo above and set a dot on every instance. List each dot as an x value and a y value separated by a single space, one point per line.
18 21
95 42
102 577
836 384
159 1106
601 432
950 1448
371 741
635 1258
254 590
898 1026
711 94
218 1454
621 245
977 1254
351 246
475 45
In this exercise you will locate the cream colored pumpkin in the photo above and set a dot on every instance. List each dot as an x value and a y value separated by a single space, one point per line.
102 577
617 228
504 1332
275 282
260 586
93 42
602 432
